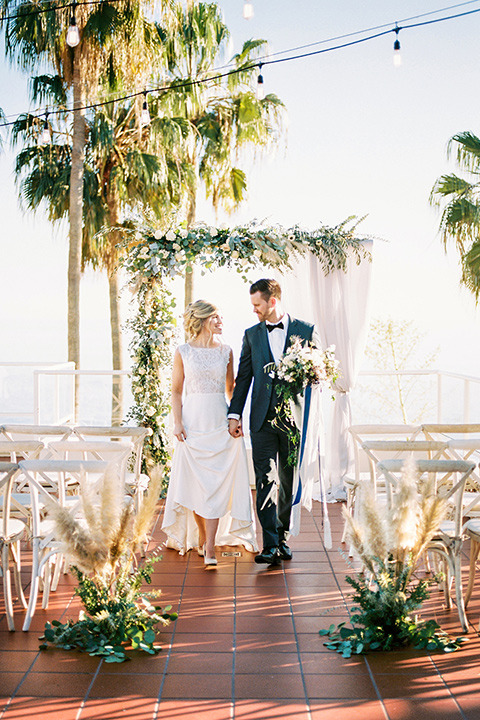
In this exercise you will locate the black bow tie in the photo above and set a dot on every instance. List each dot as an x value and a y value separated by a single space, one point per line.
272 327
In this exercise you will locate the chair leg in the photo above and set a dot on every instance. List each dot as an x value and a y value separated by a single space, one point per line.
35 584
458 591
474 550
7 587
15 550
349 505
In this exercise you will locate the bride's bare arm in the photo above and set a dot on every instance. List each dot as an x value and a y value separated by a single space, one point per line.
178 377
230 380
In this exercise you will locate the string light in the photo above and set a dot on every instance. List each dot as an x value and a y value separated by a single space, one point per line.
73 34
45 134
145 115
397 58
272 61
247 10
260 87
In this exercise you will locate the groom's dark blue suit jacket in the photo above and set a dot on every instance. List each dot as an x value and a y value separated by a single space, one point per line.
255 355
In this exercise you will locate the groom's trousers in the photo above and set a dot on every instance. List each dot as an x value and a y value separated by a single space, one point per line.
271 447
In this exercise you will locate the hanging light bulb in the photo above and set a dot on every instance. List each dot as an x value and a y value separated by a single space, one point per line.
73 34
260 84
397 58
145 115
45 134
247 10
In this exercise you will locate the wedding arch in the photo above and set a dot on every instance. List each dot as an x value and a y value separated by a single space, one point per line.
152 257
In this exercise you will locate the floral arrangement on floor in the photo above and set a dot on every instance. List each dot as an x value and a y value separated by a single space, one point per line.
301 366
388 590
102 547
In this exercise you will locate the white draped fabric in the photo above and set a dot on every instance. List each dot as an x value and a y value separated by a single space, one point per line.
338 305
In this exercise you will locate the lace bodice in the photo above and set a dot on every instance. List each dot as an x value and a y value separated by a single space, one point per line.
205 368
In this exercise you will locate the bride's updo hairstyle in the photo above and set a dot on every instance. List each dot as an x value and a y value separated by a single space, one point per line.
195 315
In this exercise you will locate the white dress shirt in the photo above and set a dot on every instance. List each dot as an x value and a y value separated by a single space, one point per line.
277 337
276 340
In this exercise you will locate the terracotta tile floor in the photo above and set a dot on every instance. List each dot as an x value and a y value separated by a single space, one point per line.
245 647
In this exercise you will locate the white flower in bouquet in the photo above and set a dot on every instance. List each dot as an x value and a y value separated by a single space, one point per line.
301 366
171 236
158 234
183 233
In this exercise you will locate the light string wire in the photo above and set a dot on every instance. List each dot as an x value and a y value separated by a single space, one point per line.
371 29
39 11
183 84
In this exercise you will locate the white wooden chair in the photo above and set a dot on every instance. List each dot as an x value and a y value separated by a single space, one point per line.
47 483
362 469
34 432
136 481
12 531
449 479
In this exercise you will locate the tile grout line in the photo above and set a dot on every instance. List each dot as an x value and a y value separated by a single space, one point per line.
302 674
367 664
170 649
82 704
27 672
234 643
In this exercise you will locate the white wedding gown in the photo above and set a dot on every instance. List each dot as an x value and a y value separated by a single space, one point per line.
209 469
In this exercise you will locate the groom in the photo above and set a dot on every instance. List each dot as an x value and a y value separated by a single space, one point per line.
265 343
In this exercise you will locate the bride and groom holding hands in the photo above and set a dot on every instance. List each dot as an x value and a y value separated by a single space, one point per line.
209 502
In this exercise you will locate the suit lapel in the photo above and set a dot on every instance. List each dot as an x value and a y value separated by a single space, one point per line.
264 344
292 324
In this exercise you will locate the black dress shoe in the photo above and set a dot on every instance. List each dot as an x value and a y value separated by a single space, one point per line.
284 551
269 556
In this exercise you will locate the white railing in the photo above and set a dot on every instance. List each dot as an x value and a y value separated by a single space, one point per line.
97 416
459 406
44 393
19 391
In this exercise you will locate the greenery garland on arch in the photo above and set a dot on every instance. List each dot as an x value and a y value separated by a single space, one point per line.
153 256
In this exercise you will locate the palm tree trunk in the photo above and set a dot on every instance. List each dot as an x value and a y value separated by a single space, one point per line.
115 322
76 223
116 332
189 273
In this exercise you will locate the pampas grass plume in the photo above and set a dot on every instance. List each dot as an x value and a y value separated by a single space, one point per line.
146 513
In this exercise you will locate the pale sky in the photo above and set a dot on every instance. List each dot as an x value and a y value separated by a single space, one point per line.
364 138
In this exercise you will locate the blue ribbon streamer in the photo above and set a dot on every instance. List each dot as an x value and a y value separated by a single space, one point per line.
306 414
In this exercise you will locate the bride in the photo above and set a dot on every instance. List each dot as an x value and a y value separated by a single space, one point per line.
209 500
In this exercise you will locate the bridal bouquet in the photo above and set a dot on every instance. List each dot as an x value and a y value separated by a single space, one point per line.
301 366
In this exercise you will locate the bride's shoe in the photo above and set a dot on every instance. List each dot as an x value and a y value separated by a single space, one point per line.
200 550
209 562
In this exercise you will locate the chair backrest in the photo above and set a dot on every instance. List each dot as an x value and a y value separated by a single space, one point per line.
447 431
136 435
47 482
363 433
34 432
73 449
449 478
20 449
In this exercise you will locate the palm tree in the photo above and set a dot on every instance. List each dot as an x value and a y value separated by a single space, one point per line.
224 116
116 42
459 199
120 175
